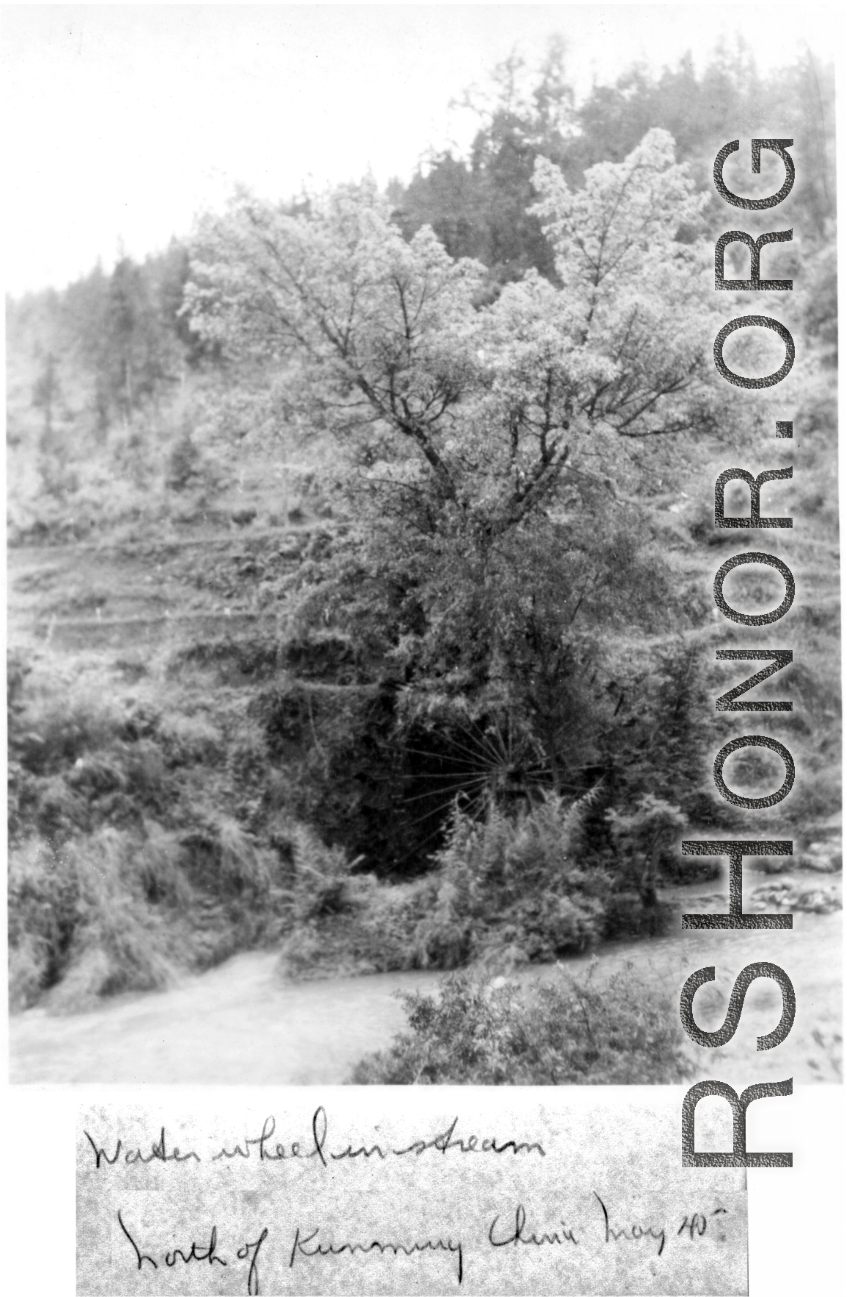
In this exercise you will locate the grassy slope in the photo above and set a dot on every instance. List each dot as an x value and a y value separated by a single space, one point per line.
141 779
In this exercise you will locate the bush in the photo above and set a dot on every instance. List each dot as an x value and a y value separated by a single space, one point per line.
243 866
159 867
346 923
321 876
57 728
188 739
55 809
26 972
185 465
79 922
121 869
43 908
643 834
501 891
566 1032
515 883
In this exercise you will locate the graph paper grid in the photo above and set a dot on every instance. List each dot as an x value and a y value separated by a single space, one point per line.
802 1225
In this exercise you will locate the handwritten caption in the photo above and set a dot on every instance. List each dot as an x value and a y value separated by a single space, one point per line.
585 1222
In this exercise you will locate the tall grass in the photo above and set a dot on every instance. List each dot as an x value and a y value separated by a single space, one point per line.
80 925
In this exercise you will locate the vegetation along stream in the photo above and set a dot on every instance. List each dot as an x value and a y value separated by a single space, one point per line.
240 1023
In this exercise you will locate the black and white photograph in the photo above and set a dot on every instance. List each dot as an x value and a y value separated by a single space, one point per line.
423 647
369 469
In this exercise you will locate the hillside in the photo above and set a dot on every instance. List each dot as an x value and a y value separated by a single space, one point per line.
360 596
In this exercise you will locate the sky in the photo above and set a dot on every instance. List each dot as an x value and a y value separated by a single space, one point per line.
123 122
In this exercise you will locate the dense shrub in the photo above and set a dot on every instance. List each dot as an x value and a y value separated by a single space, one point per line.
125 866
344 922
122 868
77 916
519 879
571 1031
189 739
370 927
58 726
503 891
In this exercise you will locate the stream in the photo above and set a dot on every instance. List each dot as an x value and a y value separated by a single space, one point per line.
240 1023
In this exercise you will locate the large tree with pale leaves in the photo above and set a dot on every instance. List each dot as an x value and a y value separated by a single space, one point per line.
498 561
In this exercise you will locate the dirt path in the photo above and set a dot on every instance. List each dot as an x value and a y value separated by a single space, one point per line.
239 1024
